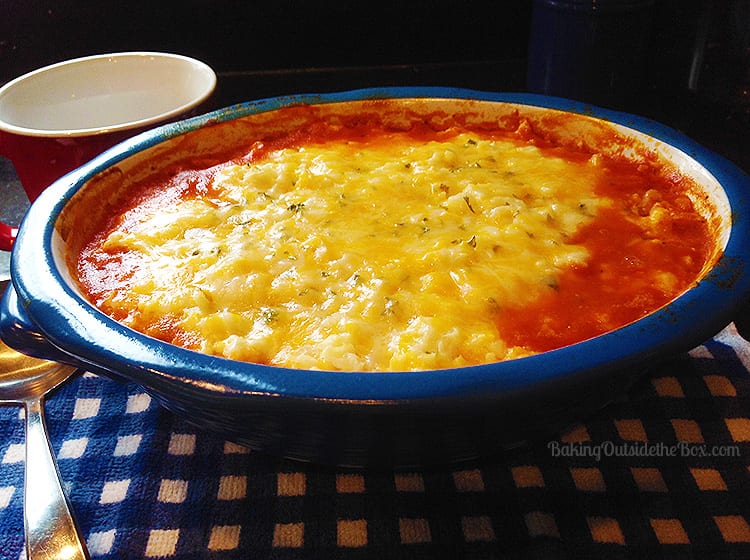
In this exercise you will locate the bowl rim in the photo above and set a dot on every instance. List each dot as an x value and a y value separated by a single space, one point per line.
79 329
207 75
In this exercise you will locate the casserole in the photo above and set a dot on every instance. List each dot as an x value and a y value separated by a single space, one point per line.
376 418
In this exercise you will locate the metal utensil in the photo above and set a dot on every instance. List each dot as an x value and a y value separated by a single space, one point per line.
50 530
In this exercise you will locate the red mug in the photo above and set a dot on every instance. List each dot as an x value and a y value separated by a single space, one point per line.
56 118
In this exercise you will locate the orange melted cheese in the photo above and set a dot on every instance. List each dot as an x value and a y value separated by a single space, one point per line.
367 249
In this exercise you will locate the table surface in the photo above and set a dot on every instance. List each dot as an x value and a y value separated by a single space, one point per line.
662 472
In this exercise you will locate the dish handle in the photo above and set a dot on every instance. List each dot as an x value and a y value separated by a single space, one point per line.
21 334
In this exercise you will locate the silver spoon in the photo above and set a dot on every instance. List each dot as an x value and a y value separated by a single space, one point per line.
50 530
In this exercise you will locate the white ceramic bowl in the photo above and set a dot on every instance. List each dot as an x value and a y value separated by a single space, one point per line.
104 93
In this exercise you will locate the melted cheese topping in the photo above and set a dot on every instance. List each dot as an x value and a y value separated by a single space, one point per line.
385 254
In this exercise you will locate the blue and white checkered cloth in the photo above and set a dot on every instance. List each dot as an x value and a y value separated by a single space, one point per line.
145 484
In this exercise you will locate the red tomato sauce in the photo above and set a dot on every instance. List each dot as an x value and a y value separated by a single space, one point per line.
620 282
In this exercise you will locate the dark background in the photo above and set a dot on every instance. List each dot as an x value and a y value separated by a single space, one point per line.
697 73
235 35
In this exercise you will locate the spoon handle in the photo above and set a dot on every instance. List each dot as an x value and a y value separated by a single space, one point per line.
50 530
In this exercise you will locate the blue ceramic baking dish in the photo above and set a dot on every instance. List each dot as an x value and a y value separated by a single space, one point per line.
372 419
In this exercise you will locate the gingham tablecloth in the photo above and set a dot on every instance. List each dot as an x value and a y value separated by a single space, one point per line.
663 472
